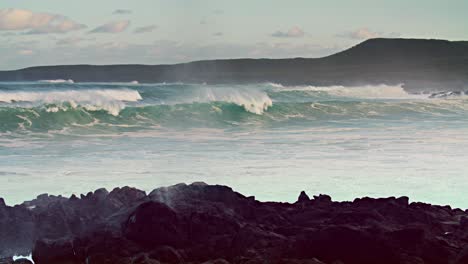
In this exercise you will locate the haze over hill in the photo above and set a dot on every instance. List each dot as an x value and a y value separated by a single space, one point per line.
419 64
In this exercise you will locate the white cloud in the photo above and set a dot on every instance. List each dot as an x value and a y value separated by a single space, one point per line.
96 52
294 32
25 52
112 27
365 33
145 29
36 23
122 12
72 41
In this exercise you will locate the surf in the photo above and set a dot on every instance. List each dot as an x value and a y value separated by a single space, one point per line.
117 107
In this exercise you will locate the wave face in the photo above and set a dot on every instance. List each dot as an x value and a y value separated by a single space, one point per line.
102 108
64 138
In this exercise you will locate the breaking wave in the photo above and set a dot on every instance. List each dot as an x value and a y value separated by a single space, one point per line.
112 101
122 107
365 92
58 81
253 101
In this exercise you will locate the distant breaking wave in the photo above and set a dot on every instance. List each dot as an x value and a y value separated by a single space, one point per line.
112 101
57 81
365 92
120 106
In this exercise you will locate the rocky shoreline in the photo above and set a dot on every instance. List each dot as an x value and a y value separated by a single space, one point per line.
200 223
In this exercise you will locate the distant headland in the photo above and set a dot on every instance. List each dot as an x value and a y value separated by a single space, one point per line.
419 64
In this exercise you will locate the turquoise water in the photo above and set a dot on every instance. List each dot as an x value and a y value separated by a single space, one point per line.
267 140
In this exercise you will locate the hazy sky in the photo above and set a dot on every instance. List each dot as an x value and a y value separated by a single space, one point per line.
44 32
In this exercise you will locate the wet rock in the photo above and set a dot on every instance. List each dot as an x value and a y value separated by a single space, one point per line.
462 257
303 197
166 254
154 224
322 199
55 252
202 223
144 259
217 261
464 222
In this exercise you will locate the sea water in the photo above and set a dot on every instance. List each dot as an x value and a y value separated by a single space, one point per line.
267 140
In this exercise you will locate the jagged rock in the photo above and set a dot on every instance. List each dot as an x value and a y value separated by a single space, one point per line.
18 261
322 199
217 261
464 222
144 259
22 261
303 197
154 224
101 194
55 251
462 257
202 223
302 261
166 254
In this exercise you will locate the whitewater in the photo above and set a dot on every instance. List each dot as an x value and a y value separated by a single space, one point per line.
264 139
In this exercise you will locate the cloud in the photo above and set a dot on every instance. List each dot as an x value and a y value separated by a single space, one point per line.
13 19
145 29
9 34
122 12
294 32
94 50
365 33
112 27
218 34
25 52
362 33
72 41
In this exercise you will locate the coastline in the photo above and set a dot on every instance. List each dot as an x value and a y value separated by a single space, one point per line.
198 223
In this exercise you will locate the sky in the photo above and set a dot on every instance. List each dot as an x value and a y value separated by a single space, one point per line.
52 32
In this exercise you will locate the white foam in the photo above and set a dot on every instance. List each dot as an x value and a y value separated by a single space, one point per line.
365 92
57 81
110 100
254 101
15 258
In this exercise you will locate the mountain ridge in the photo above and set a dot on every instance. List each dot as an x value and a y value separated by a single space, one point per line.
418 63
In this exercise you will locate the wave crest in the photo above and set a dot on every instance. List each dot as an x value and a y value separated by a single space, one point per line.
112 101
253 101
58 81
364 92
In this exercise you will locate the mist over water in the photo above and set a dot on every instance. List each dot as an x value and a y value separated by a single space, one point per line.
266 140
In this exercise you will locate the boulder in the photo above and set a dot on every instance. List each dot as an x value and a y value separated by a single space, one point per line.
154 224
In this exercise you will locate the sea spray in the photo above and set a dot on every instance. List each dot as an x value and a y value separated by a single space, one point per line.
29 257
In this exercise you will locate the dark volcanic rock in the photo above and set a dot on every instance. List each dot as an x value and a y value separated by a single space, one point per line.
154 224
202 223
303 197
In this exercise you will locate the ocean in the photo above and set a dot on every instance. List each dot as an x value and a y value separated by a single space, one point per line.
267 140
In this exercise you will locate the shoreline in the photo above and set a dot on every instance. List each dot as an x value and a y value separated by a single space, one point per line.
4 200
197 223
